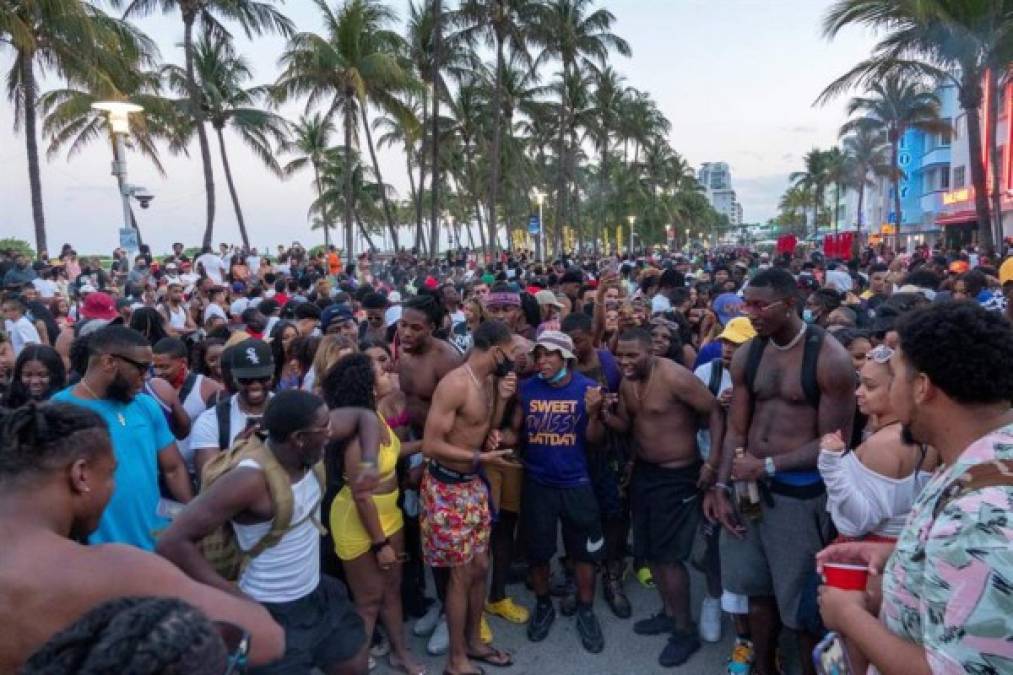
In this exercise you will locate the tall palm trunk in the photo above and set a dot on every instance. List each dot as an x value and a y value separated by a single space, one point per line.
325 217
420 238
413 193
434 214
349 121
993 153
970 101
497 135
858 227
32 148
364 232
232 188
600 225
197 110
379 176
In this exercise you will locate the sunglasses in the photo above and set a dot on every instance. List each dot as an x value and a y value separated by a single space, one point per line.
141 366
881 354
237 646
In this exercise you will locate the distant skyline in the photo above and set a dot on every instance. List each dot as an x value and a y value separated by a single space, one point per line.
736 78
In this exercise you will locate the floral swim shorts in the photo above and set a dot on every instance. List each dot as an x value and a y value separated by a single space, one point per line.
455 520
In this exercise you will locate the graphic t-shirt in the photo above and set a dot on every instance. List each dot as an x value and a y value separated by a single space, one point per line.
555 423
947 585
138 431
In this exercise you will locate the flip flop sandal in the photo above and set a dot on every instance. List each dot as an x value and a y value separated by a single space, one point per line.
496 658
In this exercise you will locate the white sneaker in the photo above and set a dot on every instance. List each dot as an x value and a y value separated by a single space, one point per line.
426 623
710 620
439 642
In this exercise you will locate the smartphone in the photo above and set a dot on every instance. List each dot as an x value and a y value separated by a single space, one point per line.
252 421
831 656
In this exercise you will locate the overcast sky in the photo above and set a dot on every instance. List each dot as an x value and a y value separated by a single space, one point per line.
736 78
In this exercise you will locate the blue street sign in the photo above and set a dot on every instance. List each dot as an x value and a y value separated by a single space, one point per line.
534 225
128 239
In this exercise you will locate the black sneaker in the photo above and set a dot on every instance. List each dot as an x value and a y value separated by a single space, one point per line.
568 604
680 647
658 624
541 621
612 589
590 631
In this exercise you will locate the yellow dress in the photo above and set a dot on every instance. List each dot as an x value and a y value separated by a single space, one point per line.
350 537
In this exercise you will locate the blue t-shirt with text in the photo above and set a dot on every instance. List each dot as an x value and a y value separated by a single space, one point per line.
555 423
138 431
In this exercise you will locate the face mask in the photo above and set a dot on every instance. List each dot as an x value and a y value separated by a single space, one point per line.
809 316
558 377
504 367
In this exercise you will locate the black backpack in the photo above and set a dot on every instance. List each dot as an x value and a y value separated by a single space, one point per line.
224 414
717 370
814 336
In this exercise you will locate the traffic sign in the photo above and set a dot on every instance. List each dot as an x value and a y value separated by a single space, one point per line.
534 225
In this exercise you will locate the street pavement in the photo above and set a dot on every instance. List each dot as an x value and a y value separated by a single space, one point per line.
561 653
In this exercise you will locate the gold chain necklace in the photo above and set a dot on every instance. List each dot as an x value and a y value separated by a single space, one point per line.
119 415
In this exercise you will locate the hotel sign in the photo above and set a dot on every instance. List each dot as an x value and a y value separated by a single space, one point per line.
959 195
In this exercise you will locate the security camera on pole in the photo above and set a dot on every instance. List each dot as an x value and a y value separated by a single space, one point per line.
118 113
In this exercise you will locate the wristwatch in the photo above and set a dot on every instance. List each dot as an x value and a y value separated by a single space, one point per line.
378 546
768 464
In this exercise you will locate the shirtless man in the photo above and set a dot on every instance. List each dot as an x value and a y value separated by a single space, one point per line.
455 504
423 360
780 427
56 478
660 399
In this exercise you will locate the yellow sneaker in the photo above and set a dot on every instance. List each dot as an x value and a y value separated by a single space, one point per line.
645 578
509 610
485 633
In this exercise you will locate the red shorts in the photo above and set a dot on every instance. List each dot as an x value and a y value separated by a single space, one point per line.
455 520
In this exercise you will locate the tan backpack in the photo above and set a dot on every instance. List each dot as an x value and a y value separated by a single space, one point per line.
220 548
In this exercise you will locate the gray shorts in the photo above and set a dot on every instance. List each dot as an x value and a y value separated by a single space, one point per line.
777 554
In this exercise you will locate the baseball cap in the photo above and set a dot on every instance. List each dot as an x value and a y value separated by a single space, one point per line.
1006 271
252 359
555 341
547 297
98 306
727 306
335 313
739 330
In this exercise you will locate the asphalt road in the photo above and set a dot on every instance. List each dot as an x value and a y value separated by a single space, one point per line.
562 653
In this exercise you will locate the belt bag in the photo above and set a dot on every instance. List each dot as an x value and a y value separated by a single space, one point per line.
811 491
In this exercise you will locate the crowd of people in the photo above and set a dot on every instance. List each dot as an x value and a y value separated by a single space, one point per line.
224 460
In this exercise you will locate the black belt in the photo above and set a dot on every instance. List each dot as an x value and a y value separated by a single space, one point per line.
445 475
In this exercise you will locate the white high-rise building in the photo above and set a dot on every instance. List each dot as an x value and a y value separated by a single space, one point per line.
716 178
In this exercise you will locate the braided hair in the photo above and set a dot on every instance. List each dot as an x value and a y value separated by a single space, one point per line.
430 303
42 437
141 636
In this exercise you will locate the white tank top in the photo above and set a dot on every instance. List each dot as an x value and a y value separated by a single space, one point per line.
194 405
177 318
291 569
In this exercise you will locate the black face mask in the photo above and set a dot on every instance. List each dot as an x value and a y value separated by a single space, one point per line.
504 367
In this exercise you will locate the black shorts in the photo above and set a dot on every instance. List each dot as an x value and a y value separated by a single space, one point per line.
322 630
576 507
666 512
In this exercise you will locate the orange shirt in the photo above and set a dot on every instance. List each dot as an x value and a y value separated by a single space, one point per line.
334 263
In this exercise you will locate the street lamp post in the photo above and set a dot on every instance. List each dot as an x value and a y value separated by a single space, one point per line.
118 113
540 198
632 220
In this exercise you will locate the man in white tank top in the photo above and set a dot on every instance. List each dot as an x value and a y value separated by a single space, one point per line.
322 628
170 364
175 311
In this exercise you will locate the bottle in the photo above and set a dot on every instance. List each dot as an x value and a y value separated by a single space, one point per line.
747 494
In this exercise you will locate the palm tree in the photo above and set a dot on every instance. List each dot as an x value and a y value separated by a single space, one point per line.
839 174
309 139
608 95
867 150
581 38
814 180
221 74
894 105
952 41
366 199
75 40
407 132
254 17
499 23
793 205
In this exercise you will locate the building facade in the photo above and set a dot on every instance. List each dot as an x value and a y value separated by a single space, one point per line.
716 178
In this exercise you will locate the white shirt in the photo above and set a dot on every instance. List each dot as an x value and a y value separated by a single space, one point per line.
177 317
290 569
22 332
213 309
238 306
253 262
46 287
204 434
214 267
703 373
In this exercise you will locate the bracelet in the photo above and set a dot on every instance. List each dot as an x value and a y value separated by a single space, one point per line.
379 546
722 486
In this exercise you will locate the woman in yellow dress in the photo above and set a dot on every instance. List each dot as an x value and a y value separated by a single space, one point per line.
367 527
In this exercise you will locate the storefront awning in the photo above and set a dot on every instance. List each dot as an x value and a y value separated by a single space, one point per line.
957 218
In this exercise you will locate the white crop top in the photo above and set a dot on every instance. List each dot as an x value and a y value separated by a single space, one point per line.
861 501
291 569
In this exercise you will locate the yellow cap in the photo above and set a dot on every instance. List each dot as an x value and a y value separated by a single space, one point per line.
1006 271
738 330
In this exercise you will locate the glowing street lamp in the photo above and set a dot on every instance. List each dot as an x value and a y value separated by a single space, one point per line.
540 197
118 114
632 219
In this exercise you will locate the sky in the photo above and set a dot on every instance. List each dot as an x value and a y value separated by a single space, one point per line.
736 78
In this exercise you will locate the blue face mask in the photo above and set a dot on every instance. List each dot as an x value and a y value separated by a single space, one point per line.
808 316
558 377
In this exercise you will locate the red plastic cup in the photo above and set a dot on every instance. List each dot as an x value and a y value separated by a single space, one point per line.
846 576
